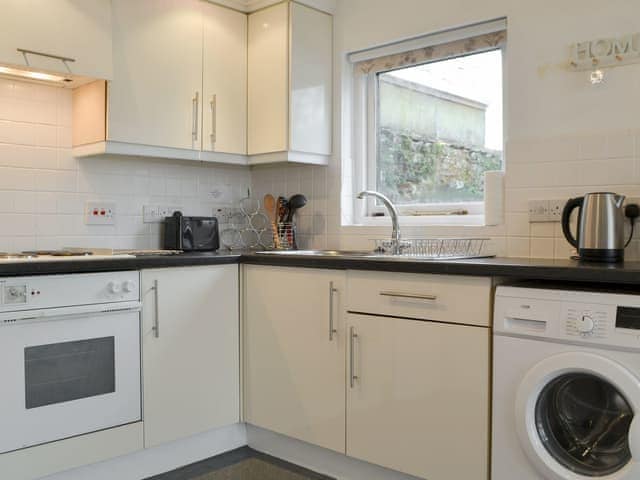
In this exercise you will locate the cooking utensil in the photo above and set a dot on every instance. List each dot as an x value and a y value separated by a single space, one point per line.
283 209
271 208
296 202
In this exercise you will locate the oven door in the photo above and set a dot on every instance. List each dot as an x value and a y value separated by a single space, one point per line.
68 371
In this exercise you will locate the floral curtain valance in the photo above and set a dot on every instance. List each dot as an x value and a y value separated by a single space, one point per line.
476 44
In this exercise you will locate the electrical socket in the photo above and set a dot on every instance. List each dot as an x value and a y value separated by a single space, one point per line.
100 213
556 207
538 211
546 210
157 213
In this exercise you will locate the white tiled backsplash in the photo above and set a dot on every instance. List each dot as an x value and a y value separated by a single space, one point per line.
43 188
544 168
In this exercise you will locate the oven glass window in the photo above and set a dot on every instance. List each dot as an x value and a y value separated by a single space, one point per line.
583 422
61 372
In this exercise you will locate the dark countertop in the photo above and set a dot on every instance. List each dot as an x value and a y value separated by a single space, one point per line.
512 268
116 264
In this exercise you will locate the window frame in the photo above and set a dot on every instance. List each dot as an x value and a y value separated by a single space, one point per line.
365 128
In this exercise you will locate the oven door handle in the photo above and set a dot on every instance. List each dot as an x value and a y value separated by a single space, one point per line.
61 313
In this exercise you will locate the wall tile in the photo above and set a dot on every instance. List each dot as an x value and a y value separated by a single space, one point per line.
43 188
541 247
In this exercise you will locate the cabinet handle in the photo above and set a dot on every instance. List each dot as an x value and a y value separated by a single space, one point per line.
352 358
418 296
195 102
214 114
332 330
156 317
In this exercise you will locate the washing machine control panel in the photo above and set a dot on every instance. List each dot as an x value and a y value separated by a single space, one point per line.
587 321
580 317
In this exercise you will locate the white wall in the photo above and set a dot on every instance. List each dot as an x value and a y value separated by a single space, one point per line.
43 189
593 134
564 137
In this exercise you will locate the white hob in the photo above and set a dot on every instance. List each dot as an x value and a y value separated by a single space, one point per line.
61 256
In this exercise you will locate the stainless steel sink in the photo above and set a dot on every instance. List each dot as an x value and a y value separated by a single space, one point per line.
365 254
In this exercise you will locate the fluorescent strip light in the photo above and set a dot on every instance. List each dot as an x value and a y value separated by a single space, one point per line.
32 75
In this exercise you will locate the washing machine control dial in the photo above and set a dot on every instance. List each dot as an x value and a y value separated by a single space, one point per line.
585 325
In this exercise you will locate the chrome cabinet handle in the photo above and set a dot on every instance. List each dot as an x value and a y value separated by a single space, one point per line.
418 296
352 358
195 101
156 318
332 329
214 114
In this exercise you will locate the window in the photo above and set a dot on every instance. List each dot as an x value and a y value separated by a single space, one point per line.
433 121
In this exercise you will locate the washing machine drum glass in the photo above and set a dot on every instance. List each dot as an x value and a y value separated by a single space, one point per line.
583 422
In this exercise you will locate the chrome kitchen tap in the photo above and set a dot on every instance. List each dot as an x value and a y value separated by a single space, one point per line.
396 244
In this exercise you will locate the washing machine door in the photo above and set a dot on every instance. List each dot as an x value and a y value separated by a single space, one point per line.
577 418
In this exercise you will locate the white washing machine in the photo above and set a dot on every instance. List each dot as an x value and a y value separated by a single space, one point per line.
566 387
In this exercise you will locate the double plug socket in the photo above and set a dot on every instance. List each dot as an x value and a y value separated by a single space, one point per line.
546 210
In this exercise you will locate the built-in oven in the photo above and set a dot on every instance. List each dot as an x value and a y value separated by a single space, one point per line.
69 356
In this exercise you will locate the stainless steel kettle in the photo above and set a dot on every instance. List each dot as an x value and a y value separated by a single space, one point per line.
601 220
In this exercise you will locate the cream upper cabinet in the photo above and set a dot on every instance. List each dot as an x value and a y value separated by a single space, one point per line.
294 341
178 88
290 84
418 396
75 29
224 80
155 95
190 351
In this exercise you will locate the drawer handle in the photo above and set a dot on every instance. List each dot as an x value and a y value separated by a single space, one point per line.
418 296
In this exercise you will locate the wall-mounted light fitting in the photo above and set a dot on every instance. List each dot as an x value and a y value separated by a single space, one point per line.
41 76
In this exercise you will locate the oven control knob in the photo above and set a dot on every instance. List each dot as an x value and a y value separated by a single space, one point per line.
128 286
113 287
585 325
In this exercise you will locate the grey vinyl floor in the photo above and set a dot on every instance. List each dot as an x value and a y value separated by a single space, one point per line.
241 464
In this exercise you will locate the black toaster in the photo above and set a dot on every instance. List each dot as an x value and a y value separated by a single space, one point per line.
191 234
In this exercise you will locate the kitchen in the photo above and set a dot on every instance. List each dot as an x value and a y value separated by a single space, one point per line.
334 358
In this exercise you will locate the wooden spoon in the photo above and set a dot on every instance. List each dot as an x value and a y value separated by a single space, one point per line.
270 207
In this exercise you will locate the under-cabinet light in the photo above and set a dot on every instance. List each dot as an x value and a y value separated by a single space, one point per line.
47 77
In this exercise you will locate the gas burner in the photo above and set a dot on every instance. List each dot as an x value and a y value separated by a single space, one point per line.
57 253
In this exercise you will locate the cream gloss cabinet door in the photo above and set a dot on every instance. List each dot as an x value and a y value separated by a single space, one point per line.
155 97
77 29
190 351
294 353
418 396
224 78
311 80
268 107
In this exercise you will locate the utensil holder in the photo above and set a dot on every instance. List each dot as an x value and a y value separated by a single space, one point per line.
284 236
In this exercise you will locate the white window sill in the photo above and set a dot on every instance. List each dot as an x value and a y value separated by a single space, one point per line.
425 221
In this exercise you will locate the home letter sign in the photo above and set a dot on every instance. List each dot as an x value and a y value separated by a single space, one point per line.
606 52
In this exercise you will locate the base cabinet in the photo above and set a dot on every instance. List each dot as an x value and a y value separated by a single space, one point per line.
294 366
190 351
418 396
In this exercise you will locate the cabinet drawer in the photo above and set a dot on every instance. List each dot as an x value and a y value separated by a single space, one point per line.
427 297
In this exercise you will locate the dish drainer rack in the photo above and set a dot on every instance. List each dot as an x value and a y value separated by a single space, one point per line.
438 247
